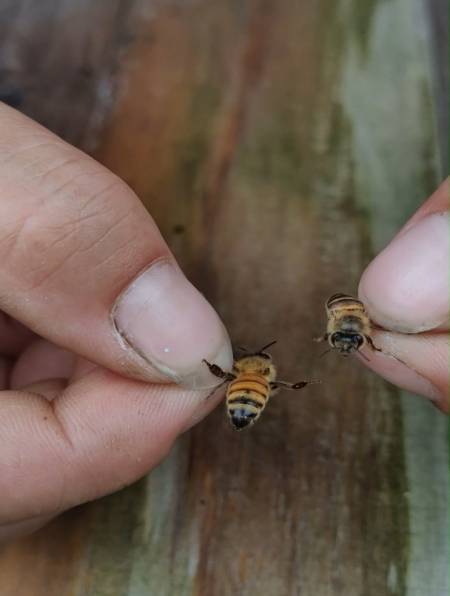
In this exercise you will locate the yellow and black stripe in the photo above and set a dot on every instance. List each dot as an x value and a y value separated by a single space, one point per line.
247 396
344 300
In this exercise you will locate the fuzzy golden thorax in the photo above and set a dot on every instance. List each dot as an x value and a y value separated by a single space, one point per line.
256 364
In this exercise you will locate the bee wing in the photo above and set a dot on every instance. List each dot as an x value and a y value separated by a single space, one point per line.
216 388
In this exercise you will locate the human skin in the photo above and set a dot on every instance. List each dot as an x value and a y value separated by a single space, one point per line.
406 292
101 335
97 321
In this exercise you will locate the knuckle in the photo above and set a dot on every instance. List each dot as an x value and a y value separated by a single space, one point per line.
72 211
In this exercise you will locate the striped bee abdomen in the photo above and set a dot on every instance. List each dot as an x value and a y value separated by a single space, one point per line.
344 300
247 396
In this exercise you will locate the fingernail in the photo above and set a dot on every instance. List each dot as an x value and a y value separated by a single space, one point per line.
406 287
163 318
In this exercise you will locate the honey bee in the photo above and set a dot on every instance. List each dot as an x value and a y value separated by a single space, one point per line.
348 327
250 384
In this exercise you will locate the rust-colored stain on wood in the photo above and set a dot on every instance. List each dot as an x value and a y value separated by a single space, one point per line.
231 122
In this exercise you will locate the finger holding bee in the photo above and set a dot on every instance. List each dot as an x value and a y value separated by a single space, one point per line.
406 290
416 363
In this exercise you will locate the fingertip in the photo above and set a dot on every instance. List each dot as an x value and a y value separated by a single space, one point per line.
416 363
406 287
162 317
208 403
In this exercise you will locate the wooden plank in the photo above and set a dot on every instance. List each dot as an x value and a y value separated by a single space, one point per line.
257 135
58 61
438 16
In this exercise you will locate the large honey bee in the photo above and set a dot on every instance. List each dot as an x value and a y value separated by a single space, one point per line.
348 327
251 382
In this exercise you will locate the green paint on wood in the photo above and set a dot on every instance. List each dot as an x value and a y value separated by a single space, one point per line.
109 555
275 155
359 17
191 152
396 160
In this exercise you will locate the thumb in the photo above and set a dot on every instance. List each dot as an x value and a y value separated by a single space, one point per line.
406 291
406 287
84 265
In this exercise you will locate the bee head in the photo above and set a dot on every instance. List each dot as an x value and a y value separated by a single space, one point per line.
346 342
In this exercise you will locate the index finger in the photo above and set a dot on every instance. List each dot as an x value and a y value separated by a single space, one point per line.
99 434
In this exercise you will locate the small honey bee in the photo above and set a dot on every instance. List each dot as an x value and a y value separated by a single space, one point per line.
251 383
348 327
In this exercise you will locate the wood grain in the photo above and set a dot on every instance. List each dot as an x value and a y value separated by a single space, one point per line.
268 141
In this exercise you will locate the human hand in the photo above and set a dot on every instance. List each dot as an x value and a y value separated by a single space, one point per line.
77 421
406 292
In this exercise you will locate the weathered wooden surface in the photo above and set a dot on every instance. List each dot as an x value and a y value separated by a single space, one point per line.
278 145
439 18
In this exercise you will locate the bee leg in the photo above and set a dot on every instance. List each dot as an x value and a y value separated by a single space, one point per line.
299 385
326 352
321 338
372 345
218 372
